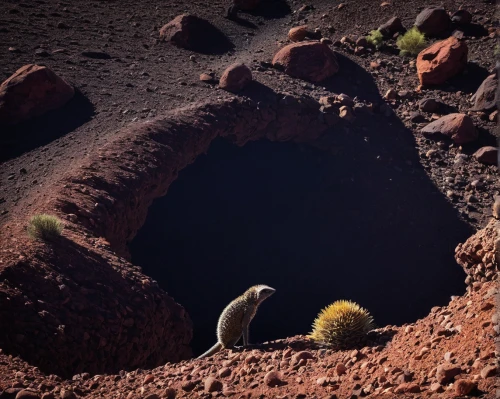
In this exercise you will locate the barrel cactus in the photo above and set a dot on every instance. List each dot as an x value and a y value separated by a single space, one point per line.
342 325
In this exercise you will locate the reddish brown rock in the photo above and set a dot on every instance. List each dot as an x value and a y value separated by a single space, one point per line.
311 61
458 127
272 379
487 155
463 387
433 21
235 77
194 33
212 385
298 33
441 61
32 91
488 371
486 96
407 388
25 394
446 372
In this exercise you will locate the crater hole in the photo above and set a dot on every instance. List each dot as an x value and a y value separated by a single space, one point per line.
315 226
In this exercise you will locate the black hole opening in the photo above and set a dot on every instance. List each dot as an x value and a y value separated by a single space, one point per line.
315 226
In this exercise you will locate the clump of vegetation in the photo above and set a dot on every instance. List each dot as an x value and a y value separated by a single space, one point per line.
342 325
45 227
496 52
375 38
412 42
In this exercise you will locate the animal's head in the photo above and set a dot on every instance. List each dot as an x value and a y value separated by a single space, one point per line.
263 292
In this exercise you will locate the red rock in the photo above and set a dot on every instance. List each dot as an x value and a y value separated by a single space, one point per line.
235 77
441 61
193 33
488 371
463 387
170 393
486 96
487 155
25 394
298 33
340 369
149 378
189 385
152 396
433 21
407 388
303 355
311 61
272 379
212 385
458 127
224 372
32 91
446 372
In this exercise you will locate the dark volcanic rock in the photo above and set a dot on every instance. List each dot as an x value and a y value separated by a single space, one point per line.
394 25
486 96
32 91
461 17
433 21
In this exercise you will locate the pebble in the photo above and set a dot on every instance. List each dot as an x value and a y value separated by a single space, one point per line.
272 379
212 385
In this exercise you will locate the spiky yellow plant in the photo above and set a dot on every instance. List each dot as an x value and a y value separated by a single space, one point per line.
342 324
45 227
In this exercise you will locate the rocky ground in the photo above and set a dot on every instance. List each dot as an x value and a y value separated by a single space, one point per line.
122 72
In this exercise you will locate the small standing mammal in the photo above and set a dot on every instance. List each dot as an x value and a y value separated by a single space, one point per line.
236 317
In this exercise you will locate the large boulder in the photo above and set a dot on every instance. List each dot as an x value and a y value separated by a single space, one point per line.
194 33
235 77
313 61
441 61
459 127
32 91
486 96
433 21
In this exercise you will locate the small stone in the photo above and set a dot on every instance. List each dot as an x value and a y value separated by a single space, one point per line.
429 105
272 379
436 387
340 369
251 359
346 113
407 388
463 387
391 94
212 385
417 117
149 378
235 77
224 372
188 386
205 77
67 394
487 155
488 371
170 393
25 394
448 356
303 355
446 372
298 33
152 396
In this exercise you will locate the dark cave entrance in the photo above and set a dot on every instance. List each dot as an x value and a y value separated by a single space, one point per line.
317 227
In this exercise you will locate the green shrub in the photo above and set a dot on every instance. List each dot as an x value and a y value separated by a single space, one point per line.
45 227
412 42
375 38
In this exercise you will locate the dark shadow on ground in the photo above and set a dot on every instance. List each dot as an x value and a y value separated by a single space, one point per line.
271 9
39 131
469 81
205 38
353 80
357 220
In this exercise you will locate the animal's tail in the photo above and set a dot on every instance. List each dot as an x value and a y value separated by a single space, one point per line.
214 349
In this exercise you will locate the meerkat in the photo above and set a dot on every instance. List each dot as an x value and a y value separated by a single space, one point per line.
236 317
